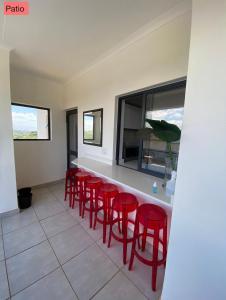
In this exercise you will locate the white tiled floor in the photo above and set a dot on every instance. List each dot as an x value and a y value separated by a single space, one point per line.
48 252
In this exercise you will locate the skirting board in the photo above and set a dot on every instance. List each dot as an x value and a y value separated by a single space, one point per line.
9 213
47 184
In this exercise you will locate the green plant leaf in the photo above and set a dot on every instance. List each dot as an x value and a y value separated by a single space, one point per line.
165 131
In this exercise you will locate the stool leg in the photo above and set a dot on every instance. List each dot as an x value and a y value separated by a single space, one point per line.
95 214
135 236
124 231
72 199
111 226
105 221
65 191
155 258
81 198
144 238
91 208
104 227
165 243
119 227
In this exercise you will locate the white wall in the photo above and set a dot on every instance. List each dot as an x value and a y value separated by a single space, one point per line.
39 162
196 267
159 56
8 196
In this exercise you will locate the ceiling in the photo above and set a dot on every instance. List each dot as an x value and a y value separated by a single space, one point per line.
61 38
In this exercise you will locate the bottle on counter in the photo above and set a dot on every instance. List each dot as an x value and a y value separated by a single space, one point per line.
155 188
170 185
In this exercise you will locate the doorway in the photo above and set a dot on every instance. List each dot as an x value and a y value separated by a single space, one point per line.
72 136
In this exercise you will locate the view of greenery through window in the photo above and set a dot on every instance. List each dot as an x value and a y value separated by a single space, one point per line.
88 127
29 122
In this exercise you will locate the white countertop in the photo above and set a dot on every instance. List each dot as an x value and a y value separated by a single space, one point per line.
139 182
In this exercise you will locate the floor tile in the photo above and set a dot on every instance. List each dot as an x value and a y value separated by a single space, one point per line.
59 194
22 239
57 186
115 252
89 271
119 288
140 275
96 234
30 265
52 287
0 226
70 242
48 208
57 223
42 198
17 221
4 289
1 249
40 191
75 213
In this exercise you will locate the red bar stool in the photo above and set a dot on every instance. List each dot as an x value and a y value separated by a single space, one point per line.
154 218
106 194
124 203
69 183
81 178
91 191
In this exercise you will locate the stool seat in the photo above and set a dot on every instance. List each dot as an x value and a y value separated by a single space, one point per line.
125 202
108 189
93 182
82 175
92 186
151 215
81 178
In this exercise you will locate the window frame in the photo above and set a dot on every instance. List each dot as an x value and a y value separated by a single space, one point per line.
49 122
164 86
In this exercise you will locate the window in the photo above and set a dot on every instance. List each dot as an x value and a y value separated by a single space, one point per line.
149 154
88 127
30 122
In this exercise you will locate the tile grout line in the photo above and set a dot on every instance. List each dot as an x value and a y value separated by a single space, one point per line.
121 270
6 258
47 239
12 295
133 283
21 226
6 270
94 241
59 262
98 291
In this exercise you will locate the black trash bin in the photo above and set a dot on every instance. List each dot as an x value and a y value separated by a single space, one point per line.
24 197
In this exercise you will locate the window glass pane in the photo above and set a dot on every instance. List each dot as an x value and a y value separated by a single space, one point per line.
30 122
88 127
167 106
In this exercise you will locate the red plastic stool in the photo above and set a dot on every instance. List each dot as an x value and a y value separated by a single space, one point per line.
106 194
152 217
69 183
91 191
81 178
124 203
